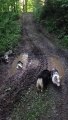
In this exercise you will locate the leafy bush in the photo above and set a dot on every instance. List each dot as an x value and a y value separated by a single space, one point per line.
30 6
54 15
9 24
9 31
64 41
37 9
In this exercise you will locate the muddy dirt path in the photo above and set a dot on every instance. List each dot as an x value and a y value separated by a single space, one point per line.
52 58
41 54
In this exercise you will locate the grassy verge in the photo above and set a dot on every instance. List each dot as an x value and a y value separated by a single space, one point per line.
9 30
34 106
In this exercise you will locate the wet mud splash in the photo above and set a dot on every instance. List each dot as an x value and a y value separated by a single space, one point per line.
23 57
55 62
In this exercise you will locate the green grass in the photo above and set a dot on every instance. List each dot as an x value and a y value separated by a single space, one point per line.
9 31
33 106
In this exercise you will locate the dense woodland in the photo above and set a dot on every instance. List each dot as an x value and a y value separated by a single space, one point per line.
9 24
51 13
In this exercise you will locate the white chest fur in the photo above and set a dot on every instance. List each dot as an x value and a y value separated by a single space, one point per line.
55 78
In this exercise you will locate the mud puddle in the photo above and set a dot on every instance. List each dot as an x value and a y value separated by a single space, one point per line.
55 62
28 63
23 57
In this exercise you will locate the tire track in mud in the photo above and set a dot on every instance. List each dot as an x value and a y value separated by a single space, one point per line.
38 53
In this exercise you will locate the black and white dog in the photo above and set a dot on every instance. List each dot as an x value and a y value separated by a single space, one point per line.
46 77
55 77
43 80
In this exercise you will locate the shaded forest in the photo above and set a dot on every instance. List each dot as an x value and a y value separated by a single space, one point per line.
53 14
9 24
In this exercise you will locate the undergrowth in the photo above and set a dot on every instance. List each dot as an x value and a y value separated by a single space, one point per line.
54 16
9 30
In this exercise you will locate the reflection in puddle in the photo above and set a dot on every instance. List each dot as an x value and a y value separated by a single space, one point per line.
23 58
55 62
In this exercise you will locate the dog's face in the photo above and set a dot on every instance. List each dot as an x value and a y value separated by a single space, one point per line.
56 79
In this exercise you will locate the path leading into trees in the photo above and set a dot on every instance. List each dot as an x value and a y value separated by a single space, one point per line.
41 53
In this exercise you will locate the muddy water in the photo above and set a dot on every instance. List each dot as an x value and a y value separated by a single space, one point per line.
23 58
34 63
55 62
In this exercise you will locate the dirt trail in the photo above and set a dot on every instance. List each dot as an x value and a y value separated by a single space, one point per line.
48 53
41 53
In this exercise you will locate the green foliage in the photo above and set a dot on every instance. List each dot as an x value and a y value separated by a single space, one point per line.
37 9
50 24
9 24
30 6
64 41
9 32
55 13
9 5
